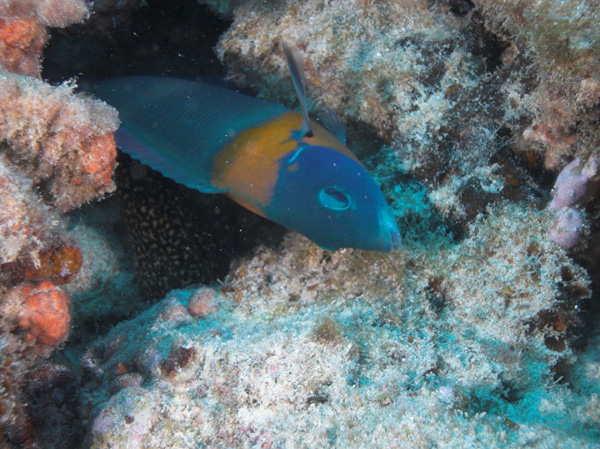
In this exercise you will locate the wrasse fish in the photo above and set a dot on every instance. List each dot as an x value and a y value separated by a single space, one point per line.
271 160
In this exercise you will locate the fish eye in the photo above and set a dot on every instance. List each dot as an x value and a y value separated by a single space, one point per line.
334 198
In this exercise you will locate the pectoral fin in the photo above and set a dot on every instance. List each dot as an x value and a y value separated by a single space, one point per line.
158 161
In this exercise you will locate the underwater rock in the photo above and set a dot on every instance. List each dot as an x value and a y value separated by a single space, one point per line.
25 222
58 263
34 320
536 277
23 32
63 142
435 332
305 340
57 153
21 44
50 392
552 100
34 247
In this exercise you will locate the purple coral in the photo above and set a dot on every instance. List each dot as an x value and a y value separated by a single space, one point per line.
567 227
571 183
570 187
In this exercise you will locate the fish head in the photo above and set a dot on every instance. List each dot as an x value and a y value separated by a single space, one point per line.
331 199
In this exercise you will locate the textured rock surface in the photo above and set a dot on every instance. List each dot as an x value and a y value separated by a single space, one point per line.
309 348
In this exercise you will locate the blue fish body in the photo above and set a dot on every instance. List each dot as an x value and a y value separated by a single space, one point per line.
177 126
256 152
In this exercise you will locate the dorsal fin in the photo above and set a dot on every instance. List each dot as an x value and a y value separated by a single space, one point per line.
333 123
296 66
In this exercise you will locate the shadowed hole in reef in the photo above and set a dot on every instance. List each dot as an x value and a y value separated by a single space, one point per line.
158 37
180 236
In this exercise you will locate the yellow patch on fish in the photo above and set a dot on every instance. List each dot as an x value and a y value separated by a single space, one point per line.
248 166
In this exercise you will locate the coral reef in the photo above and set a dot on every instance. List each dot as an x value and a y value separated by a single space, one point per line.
302 352
34 319
23 31
21 44
57 152
558 86
446 87
24 221
422 79
57 138
481 330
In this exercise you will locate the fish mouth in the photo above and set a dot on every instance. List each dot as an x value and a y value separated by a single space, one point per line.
389 230
396 239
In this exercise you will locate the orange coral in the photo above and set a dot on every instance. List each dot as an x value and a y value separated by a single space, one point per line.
23 30
21 44
100 159
45 313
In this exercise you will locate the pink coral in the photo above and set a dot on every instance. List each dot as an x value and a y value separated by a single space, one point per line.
23 30
59 138
45 313
202 303
56 137
570 187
